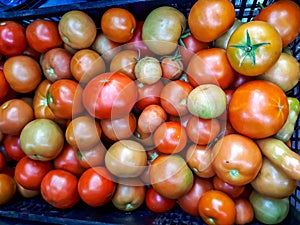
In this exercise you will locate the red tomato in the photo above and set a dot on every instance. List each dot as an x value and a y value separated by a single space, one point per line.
96 186
2 161
210 66
244 211
258 109
233 191
110 95
216 207
29 173
59 189
12 147
158 203
4 87
67 160
42 35
64 98
170 137
12 38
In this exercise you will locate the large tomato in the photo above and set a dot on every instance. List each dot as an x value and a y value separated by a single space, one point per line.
254 47
96 186
236 159
109 95
207 26
258 109
12 38
216 207
59 189
285 17
42 35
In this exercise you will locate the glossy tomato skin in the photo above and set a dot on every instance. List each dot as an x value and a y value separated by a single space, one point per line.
258 109
157 203
59 189
109 95
285 17
29 173
260 42
96 186
118 24
12 147
42 35
64 98
207 27
216 207
12 38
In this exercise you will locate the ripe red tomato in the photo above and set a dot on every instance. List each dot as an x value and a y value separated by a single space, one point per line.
12 147
170 137
12 38
59 189
207 26
258 109
29 172
96 186
233 191
158 203
42 35
118 24
4 87
216 207
64 98
109 95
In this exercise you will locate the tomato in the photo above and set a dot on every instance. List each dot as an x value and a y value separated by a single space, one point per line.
23 73
236 159
129 195
120 128
29 173
258 109
285 17
2 161
80 36
253 48
190 201
106 47
27 193
148 94
42 139
92 157
170 137
172 67
216 207
244 211
233 191
124 62
59 189
12 147
285 72
64 98
202 131
199 159
151 118
148 70
68 161
83 132
96 186
170 176
86 64
12 38
4 87
109 95
56 64
210 66
162 29
14 115
206 26
118 24
8 188
120 153
158 203
173 97
42 35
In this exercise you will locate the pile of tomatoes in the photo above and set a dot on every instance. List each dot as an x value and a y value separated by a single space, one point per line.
179 109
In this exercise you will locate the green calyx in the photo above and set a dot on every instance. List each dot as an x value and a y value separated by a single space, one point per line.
249 49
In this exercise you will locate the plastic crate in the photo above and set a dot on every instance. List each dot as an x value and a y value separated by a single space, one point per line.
36 210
